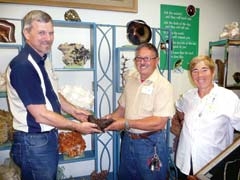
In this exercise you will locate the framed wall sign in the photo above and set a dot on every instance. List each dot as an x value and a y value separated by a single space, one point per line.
184 23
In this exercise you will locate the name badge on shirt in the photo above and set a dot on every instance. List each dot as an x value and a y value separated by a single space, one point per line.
147 89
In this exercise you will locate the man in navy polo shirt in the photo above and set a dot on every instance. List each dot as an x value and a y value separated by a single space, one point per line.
36 105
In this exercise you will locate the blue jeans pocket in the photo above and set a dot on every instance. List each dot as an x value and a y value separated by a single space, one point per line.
36 154
16 153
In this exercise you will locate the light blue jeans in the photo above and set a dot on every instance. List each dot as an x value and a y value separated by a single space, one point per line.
36 154
136 153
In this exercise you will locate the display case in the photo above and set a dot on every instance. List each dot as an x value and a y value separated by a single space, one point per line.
226 66
77 34
71 37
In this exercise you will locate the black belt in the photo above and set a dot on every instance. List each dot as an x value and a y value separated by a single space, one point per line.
141 135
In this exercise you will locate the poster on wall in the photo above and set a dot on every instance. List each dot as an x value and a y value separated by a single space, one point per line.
184 24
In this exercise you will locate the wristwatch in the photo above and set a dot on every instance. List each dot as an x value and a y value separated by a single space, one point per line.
127 127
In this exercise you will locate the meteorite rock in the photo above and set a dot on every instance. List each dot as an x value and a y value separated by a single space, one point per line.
71 15
99 175
102 123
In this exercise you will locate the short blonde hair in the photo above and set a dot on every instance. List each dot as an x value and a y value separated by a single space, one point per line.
206 59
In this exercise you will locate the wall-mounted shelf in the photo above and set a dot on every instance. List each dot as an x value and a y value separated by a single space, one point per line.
75 32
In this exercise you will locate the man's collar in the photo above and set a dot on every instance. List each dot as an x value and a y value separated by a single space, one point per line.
35 55
151 78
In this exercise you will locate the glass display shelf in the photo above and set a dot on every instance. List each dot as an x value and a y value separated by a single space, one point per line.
87 155
5 146
223 42
73 69
3 94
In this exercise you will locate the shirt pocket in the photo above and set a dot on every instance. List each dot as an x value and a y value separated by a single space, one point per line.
146 104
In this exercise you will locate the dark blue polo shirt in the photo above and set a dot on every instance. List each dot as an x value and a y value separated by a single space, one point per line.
26 86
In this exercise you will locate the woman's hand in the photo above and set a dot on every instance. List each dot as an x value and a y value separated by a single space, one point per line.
177 122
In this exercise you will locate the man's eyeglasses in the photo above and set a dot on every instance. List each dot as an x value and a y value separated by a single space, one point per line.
144 59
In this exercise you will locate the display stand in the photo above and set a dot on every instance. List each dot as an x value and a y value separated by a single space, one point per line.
225 166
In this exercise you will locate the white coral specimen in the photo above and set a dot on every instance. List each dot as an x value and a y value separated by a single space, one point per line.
78 96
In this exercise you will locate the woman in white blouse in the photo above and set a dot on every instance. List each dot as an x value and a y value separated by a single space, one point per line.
211 113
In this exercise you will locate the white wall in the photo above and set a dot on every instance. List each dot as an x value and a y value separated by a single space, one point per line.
214 15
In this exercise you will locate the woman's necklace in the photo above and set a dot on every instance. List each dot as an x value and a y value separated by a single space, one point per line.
208 102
